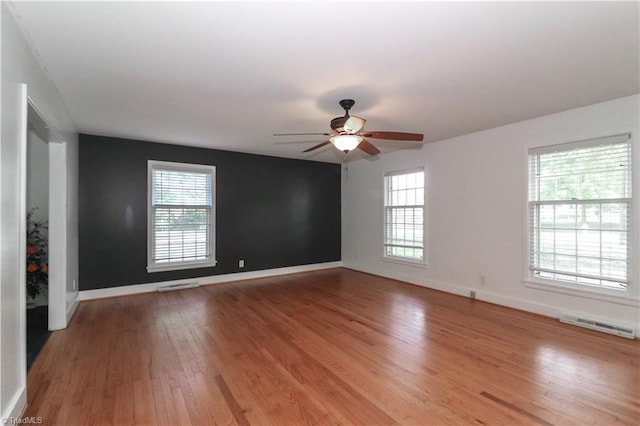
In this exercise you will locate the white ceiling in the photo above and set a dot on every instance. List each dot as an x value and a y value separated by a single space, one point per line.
229 75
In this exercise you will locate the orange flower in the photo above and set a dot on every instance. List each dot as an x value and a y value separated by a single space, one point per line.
32 267
45 269
31 250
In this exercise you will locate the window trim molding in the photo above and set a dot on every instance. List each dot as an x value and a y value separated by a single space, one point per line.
402 260
583 143
595 293
631 295
422 264
189 167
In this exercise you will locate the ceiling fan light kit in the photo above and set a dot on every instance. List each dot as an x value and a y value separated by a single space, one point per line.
346 143
347 133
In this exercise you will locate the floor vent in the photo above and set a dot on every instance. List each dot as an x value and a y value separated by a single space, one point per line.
181 286
629 333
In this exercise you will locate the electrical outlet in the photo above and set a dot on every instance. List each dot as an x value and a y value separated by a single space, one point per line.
241 263
472 294
483 279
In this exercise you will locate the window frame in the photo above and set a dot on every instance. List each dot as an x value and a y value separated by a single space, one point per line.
421 263
622 296
187 168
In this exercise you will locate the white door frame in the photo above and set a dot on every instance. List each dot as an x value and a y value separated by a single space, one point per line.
57 235
57 221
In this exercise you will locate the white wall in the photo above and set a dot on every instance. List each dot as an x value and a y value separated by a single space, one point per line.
19 65
476 206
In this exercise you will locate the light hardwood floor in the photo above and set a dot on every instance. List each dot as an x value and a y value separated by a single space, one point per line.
328 347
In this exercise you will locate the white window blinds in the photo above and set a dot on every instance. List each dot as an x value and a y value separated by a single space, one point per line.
580 212
181 215
404 215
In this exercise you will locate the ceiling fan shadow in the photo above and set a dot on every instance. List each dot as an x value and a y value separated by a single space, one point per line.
366 95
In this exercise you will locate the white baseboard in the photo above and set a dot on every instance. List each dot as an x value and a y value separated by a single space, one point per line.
72 309
214 279
16 407
483 295
510 302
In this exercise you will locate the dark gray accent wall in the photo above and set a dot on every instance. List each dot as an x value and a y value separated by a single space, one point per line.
272 212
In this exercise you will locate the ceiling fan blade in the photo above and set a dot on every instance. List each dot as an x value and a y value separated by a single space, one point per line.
354 124
301 134
368 148
294 142
396 136
320 145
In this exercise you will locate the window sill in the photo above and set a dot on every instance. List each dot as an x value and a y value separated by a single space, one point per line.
177 267
595 294
405 262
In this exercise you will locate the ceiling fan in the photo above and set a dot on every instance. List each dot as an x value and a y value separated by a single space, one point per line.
347 133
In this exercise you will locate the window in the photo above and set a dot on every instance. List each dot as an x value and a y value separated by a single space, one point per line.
181 216
580 212
404 215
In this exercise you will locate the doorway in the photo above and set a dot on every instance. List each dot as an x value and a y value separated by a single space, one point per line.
37 263
46 211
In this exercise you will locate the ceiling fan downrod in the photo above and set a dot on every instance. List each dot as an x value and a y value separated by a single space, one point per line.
346 104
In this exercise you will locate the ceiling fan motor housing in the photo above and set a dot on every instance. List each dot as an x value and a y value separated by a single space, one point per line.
338 122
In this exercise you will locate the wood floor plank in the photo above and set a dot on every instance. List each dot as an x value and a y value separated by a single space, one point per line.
236 410
327 347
